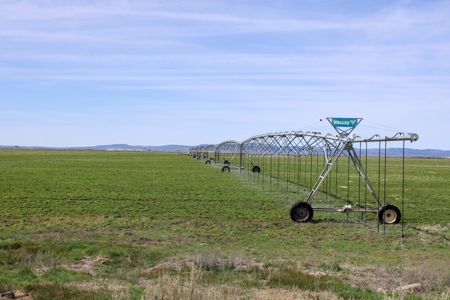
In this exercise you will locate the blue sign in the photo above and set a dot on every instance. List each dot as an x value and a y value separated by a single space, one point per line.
344 122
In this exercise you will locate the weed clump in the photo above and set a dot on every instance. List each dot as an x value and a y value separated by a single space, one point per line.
59 291
292 278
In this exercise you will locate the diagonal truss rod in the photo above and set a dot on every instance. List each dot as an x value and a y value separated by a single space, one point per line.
359 167
328 167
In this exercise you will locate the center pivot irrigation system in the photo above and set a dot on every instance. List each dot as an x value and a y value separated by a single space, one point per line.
309 164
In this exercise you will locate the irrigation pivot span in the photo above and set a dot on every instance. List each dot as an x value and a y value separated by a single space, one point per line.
305 161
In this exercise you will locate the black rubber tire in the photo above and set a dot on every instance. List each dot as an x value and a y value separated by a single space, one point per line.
389 214
301 212
211 159
207 162
256 169
226 169
226 162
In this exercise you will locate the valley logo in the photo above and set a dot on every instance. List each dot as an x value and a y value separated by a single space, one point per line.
344 122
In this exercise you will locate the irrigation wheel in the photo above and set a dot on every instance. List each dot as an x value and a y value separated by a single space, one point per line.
301 212
256 169
389 214
226 162
225 169
207 162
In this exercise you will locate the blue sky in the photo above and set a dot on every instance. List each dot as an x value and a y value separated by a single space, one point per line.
85 73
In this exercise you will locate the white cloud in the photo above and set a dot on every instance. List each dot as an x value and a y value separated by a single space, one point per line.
231 68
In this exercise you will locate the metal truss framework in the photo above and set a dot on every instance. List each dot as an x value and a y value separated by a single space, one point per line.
228 152
312 143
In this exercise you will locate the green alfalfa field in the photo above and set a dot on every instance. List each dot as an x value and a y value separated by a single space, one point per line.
140 225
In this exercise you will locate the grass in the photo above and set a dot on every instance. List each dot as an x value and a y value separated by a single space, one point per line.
424 180
133 225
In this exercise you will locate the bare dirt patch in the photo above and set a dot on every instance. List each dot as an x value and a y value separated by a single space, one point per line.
86 264
16 295
418 279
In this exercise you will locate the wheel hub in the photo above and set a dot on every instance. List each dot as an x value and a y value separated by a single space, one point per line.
390 216
302 213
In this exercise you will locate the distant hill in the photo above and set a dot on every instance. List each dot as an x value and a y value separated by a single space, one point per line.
167 148
413 152
183 148
116 147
